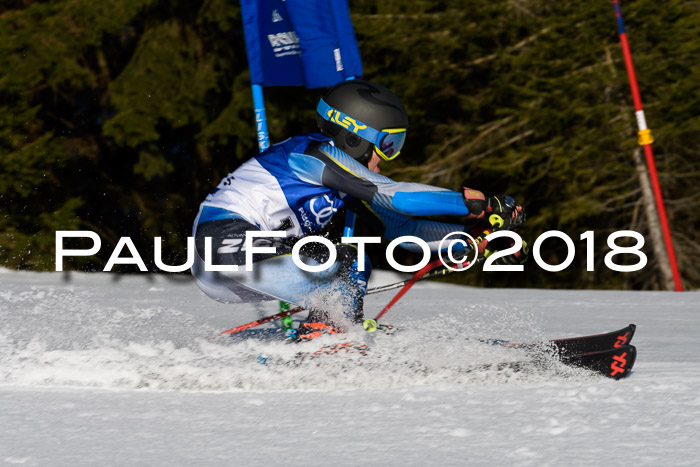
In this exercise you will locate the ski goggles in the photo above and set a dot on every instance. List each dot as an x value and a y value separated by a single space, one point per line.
388 142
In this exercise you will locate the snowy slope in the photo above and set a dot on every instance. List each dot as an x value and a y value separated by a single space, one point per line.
103 369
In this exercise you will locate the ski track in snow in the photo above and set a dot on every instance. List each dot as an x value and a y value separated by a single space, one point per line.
114 370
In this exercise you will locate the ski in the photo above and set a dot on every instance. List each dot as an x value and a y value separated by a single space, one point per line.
570 346
614 363
608 354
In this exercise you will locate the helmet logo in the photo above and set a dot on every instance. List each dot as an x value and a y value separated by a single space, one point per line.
346 121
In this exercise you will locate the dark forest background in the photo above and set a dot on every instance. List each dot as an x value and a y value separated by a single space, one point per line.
119 116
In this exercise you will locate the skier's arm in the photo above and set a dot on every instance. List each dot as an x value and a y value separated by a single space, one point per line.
326 165
323 164
432 232
392 225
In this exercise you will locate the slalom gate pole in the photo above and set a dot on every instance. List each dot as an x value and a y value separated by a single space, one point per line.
260 117
263 137
645 139
431 270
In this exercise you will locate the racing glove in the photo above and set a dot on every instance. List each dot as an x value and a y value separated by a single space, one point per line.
500 211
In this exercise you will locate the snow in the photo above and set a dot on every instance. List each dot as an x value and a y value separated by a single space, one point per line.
107 369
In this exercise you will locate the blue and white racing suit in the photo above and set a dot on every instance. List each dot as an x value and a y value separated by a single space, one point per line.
297 186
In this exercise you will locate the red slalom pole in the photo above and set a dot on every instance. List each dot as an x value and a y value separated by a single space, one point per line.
645 139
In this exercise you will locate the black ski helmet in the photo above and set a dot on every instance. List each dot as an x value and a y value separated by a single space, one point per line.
369 104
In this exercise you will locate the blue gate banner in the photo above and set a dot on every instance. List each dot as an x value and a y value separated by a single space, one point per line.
300 42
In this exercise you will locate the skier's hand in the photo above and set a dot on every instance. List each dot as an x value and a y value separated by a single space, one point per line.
500 211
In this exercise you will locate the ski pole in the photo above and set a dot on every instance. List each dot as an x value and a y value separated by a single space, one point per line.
437 272
430 270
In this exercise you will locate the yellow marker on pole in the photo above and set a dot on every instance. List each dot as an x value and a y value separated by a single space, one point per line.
645 137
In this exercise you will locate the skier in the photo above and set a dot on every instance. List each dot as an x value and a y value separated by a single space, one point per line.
298 185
